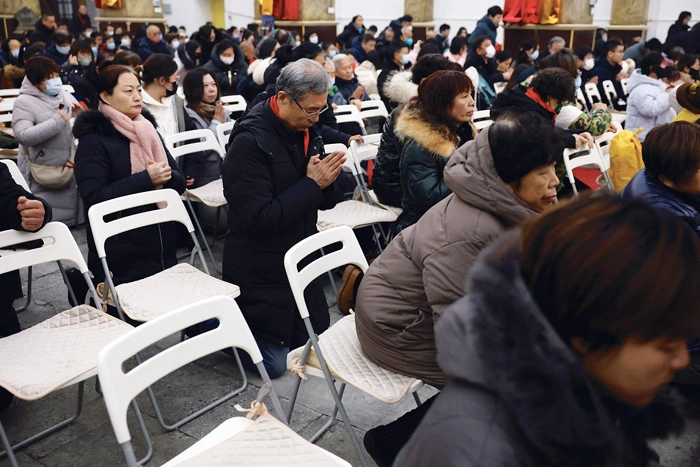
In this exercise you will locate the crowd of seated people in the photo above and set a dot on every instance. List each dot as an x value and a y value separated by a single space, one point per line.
594 346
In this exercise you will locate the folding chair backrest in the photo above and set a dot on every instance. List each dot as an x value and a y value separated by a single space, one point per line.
581 98
349 114
603 142
592 93
191 141
119 388
223 132
16 174
101 230
593 157
234 103
373 109
349 253
5 112
9 92
481 119
610 92
62 248
349 165
624 82
473 75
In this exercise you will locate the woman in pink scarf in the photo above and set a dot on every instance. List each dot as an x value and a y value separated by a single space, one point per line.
120 153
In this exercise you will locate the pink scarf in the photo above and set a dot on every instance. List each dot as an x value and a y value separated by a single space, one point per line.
145 144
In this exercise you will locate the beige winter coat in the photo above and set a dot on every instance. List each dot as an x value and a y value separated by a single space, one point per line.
425 267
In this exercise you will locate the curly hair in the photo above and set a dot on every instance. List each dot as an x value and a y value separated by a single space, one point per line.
555 83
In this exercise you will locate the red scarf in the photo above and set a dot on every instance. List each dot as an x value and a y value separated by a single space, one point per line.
275 108
532 94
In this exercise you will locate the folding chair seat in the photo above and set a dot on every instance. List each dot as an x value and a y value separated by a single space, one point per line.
337 352
61 351
239 441
211 194
157 295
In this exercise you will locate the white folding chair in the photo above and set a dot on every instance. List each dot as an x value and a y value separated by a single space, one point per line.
610 92
19 180
581 98
473 75
9 92
581 157
238 441
592 93
157 295
372 109
337 350
481 119
223 132
6 112
602 143
624 82
61 351
211 194
234 103
349 114
499 87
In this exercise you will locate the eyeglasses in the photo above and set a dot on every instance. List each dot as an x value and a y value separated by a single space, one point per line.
312 114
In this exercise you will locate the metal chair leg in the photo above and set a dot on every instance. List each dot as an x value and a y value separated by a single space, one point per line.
29 290
417 399
334 393
201 232
48 431
8 448
331 420
147 437
293 400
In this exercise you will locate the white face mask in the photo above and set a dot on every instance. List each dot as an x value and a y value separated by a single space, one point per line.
126 42
226 60
490 51
175 44
590 63
332 53
313 39
535 55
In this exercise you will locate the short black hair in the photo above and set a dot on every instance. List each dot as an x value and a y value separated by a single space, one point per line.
686 61
444 26
407 18
611 45
494 10
61 38
225 45
429 64
502 56
521 143
479 40
158 66
38 69
649 62
372 28
368 38
653 45
582 50
556 83
457 43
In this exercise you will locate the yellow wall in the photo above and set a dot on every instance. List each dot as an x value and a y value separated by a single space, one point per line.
218 16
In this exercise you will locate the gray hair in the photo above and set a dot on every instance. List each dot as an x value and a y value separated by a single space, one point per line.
302 77
557 40
339 58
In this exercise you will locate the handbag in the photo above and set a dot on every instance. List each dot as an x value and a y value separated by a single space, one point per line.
52 176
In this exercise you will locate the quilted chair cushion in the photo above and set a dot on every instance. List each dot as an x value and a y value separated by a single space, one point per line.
181 285
353 214
211 194
346 362
266 442
41 359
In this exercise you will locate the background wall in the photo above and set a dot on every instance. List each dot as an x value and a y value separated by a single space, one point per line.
194 13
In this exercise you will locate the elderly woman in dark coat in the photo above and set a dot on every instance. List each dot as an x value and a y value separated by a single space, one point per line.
555 364
275 183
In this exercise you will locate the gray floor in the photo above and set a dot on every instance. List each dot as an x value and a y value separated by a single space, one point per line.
90 440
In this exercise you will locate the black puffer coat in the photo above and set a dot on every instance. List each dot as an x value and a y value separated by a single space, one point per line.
228 76
103 172
386 179
519 395
273 205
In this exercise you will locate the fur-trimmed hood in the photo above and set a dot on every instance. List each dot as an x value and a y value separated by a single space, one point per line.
436 138
497 338
400 88
94 121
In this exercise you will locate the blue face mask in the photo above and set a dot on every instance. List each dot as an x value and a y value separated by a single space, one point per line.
359 28
15 53
53 86
111 46
63 50
405 59
94 51
578 82
409 41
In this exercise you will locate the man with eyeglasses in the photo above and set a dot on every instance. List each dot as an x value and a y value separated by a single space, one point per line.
276 177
